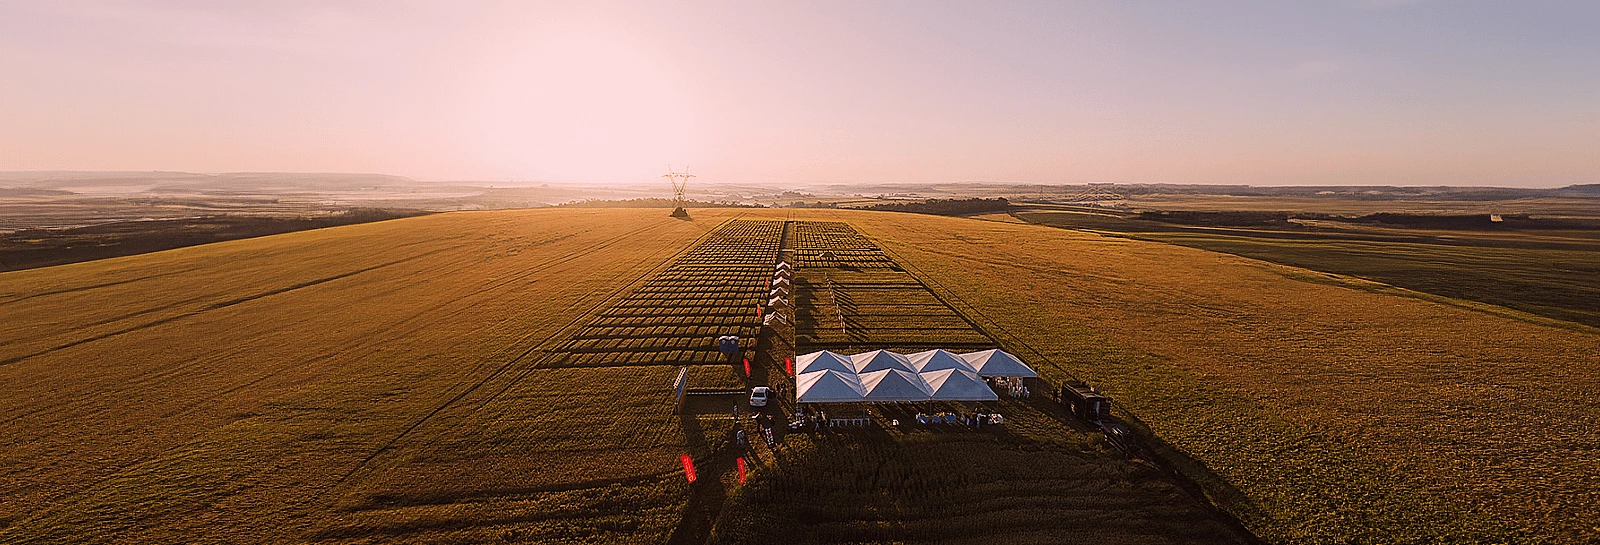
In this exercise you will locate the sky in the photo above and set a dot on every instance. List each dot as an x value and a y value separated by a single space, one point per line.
1345 92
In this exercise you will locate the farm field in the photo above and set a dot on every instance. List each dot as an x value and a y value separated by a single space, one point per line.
414 381
712 290
1314 409
1547 273
1040 478
276 389
1390 202
1043 479
850 298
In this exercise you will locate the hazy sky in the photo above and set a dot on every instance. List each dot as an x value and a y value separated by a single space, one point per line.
1282 92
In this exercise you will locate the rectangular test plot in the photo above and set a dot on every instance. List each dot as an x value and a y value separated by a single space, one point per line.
675 317
850 297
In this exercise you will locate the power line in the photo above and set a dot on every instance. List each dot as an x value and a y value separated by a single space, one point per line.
679 180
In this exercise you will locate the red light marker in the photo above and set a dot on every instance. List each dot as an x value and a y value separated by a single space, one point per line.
688 467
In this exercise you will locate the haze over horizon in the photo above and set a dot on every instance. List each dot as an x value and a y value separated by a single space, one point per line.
1359 92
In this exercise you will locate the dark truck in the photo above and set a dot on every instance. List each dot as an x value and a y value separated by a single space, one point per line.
1085 403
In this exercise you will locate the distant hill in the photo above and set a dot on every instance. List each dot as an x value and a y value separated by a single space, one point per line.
31 192
187 181
1585 190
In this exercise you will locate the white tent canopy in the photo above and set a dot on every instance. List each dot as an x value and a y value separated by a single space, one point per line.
828 387
878 360
885 376
894 385
781 281
937 360
998 363
957 385
783 265
820 361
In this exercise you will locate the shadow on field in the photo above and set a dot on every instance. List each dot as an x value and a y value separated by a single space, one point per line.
1212 490
706 494
1214 493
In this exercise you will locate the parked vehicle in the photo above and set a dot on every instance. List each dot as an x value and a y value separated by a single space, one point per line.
1085 402
759 396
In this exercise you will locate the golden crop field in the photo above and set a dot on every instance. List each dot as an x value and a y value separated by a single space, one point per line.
1039 478
413 381
274 389
1314 411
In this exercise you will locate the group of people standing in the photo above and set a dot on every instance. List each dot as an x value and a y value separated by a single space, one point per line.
975 420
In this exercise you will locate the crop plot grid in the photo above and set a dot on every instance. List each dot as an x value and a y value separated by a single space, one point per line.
851 296
675 317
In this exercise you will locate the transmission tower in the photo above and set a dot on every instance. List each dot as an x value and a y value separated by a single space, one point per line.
679 181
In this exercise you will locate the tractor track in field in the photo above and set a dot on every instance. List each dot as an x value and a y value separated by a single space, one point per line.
91 287
185 364
68 498
131 314
114 319
707 496
578 321
503 368
270 373
427 312
15 297
214 306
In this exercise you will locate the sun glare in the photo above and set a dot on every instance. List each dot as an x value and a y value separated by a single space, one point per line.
576 106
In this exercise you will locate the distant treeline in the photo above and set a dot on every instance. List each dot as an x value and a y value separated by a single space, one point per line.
1366 193
1229 218
942 207
1475 221
1235 218
32 248
652 202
